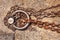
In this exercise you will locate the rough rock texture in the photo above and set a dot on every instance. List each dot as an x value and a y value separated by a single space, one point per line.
33 32
6 36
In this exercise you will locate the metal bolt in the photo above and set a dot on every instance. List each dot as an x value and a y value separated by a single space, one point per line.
10 20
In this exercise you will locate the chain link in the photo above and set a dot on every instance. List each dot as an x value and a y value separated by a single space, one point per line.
39 15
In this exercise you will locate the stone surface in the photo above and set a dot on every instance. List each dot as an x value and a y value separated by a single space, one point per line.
32 33
6 36
35 33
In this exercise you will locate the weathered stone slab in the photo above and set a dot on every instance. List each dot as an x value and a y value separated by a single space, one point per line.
35 33
6 36
27 35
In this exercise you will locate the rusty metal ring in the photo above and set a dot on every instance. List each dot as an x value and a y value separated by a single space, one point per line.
27 17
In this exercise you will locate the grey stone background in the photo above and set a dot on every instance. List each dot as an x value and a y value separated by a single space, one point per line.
33 32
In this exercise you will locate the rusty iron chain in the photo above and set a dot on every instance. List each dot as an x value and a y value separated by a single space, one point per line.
39 15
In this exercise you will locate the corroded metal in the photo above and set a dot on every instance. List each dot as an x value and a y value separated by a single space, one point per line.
44 20
15 17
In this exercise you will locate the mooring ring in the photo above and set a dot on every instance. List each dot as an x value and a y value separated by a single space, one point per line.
27 18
